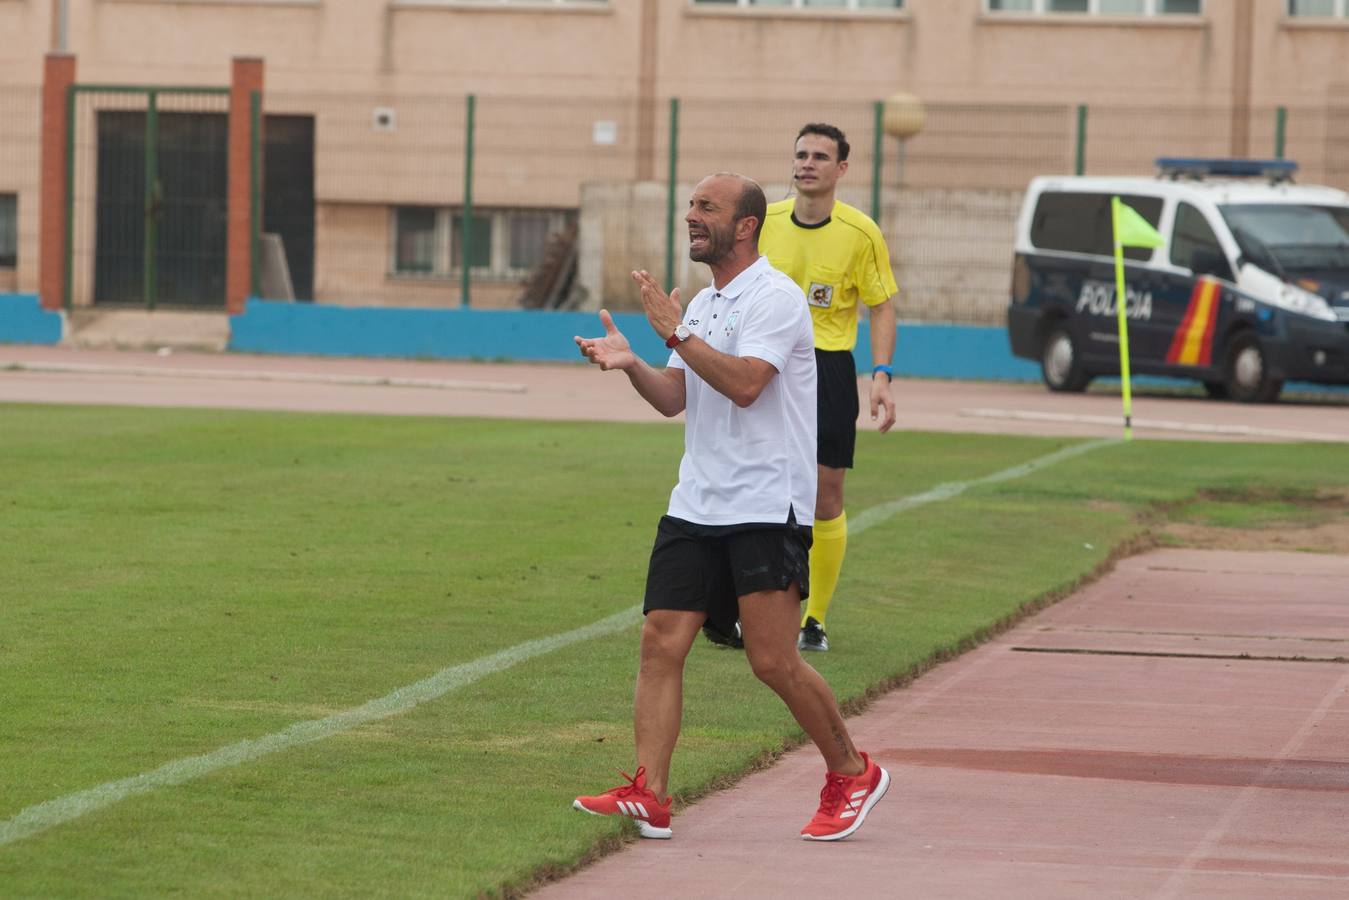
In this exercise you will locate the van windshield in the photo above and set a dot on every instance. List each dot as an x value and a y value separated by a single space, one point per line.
1289 238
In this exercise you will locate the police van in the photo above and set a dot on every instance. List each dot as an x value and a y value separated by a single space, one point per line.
1249 288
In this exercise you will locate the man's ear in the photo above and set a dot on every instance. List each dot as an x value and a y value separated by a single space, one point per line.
745 227
842 166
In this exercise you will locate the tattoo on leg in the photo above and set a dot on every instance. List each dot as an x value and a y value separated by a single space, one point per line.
840 739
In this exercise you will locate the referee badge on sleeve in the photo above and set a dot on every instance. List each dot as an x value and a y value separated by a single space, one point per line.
820 294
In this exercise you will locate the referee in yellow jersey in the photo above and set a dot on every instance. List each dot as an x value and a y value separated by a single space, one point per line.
839 258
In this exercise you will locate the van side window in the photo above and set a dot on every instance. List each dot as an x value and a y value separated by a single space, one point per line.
1194 246
1080 223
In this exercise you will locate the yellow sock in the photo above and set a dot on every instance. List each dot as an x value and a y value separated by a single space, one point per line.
826 561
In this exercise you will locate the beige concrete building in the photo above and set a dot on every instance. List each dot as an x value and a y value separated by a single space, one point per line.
368 134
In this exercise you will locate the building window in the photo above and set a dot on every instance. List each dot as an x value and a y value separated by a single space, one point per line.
9 230
1319 9
504 244
851 5
415 239
1100 7
480 3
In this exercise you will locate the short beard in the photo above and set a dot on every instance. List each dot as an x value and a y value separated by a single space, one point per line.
720 243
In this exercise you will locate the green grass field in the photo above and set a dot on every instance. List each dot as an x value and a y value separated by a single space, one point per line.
173 582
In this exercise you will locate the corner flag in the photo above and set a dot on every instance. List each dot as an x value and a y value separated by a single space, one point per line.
1130 230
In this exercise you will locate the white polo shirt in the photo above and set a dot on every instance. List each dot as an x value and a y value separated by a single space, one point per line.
758 463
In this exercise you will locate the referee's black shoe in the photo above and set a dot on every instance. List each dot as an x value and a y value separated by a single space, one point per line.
812 636
722 639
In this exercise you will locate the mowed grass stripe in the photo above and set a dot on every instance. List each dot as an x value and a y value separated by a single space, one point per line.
46 815
63 809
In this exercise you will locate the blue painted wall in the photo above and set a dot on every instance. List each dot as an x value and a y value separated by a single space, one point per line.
24 321
279 327
933 351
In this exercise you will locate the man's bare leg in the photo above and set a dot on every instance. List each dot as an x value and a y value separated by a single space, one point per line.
658 705
829 492
769 620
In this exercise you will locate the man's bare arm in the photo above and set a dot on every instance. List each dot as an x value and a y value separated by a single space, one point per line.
882 353
663 389
740 378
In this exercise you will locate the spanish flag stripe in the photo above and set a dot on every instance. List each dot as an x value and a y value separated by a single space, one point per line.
1178 339
1192 349
1210 321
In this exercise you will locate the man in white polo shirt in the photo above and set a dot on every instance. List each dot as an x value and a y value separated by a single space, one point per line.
736 538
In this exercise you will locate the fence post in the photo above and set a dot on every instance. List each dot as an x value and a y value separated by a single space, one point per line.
1280 130
1080 161
670 188
150 254
466 224
877 146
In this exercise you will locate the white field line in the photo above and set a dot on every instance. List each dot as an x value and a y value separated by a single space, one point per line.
63 809
50 813
444 384
1250 431
876 514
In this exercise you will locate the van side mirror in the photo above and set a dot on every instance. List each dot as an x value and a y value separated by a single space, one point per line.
1210 261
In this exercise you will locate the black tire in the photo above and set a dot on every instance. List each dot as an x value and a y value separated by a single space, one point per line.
1246 372
1216 390
1060 366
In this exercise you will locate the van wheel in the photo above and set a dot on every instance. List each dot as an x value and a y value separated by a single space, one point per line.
1216 390
1059 364
1246 372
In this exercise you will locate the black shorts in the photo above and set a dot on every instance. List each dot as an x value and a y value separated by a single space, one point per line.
708 568
836 407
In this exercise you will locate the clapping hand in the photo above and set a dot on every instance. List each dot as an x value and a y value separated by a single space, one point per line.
662 311
611 351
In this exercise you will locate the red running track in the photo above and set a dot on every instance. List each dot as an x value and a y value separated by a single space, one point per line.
1178 729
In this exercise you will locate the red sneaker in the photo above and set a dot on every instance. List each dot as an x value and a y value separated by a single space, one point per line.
845 802
634 801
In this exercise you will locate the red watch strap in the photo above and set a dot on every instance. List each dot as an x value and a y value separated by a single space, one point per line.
673 341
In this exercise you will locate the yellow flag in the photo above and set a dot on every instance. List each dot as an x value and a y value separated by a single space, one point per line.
1131 229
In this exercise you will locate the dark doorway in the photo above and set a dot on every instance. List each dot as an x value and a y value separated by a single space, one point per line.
288 194
183 217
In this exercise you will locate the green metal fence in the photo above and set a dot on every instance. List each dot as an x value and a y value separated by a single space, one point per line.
494 201
146 204
20 167
553 201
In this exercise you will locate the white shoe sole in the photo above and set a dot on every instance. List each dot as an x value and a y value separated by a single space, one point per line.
646 828
871 801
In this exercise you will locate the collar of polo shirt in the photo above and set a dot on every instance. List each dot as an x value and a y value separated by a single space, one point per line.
737 285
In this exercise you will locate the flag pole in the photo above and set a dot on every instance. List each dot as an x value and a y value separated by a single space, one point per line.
1120 303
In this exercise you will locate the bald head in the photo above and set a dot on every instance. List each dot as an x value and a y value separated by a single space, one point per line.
725 216
749 200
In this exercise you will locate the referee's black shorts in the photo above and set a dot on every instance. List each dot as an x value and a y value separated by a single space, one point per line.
836 407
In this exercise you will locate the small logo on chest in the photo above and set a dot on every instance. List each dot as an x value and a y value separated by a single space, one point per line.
820 294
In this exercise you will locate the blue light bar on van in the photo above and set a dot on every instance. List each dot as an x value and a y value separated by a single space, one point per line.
1199 167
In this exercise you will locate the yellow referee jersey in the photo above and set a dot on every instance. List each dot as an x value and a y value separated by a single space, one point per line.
837 263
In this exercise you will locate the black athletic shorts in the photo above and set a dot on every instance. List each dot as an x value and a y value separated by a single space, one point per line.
708 568
836 408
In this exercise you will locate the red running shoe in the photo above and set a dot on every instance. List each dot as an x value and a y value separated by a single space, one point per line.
845 802
634 801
